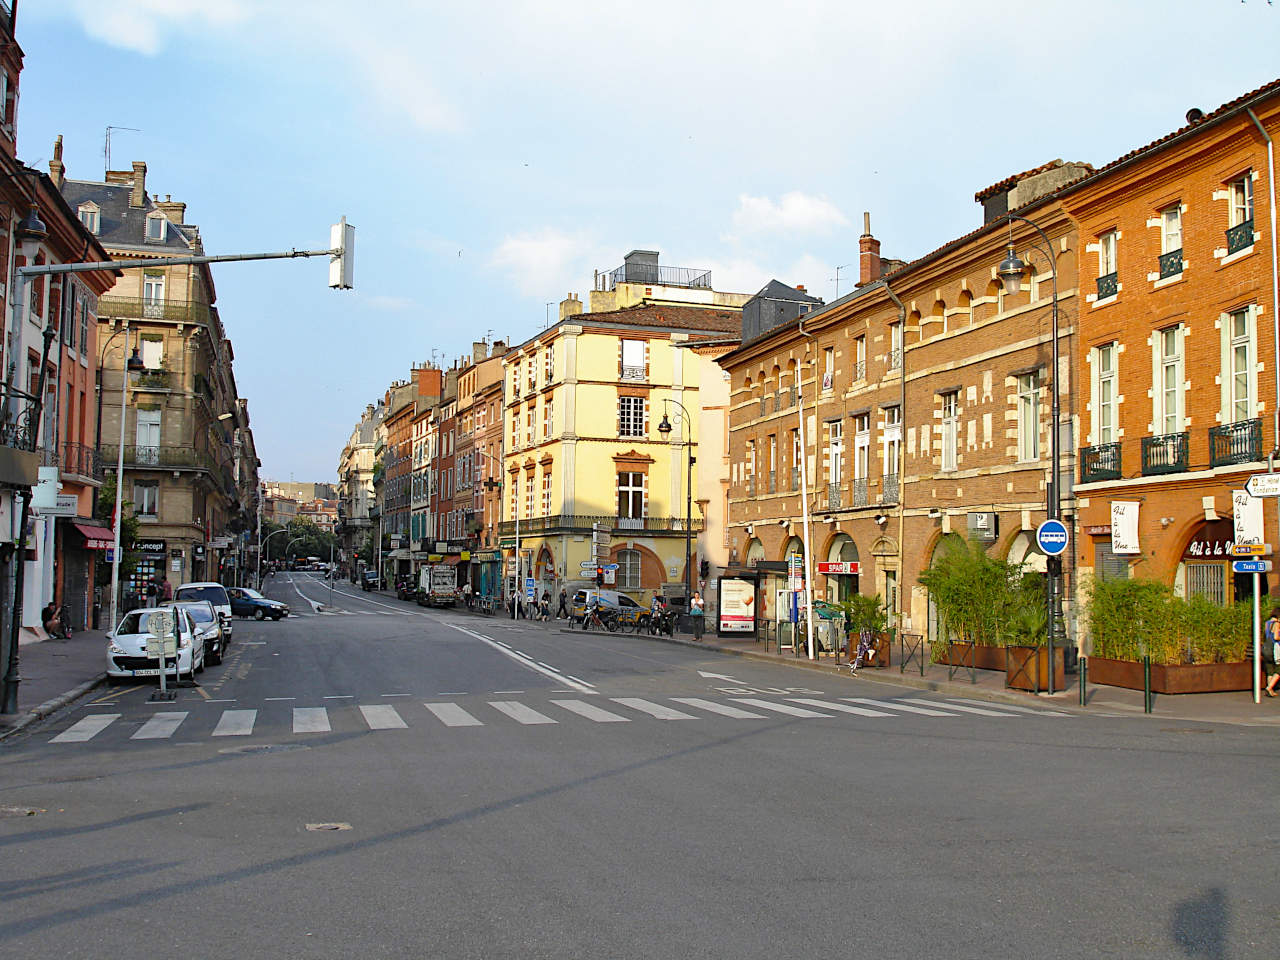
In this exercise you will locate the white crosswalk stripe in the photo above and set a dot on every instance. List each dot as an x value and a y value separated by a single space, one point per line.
310 720
979 711
86 728
235 723
722 709
519 712
160 727
452 715
895 705
382 717
583 709
842 707
653 709
779 707
1010 706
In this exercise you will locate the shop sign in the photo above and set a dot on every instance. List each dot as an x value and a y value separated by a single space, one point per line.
845 567
737 605
1246 512
1211 542
1124 526
1099 530
984 527
151 546
67 505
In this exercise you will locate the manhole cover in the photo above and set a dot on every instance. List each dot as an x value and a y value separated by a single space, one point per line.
6 812
264 748
321 827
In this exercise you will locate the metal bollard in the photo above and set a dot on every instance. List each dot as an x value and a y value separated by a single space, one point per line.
1082 669
1146 684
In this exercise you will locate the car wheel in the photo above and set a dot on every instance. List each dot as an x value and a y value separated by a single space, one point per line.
259 614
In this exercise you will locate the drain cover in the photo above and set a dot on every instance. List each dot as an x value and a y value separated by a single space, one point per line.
6 812
320 827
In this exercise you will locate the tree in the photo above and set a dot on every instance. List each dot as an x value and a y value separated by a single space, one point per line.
105 514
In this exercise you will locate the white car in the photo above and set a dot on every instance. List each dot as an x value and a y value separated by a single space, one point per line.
215 593
127 646
208 627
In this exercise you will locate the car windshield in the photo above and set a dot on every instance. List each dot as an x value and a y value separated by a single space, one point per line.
215 595
138 622
200 613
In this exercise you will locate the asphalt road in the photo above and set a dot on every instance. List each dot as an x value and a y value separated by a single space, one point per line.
509 790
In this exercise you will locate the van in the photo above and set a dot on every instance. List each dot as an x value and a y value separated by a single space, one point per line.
629 612
215 593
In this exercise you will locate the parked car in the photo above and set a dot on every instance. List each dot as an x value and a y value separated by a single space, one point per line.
215 593
208 626
629 612
369 580
247 602
127 646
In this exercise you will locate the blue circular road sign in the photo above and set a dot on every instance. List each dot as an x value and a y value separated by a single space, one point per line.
1051 537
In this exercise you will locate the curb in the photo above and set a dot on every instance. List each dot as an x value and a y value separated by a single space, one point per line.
51 706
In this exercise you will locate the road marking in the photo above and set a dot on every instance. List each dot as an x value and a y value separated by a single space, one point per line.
340 696
895 705
393 694
779 707
86 728
201 691
382 717
519 712
520 658
310 720
235 723
452 715
221 701
1010 706
723 709
253 643
496 692
963 709
117 693
653 709
584 709
271 699
463 693
720 676
160 727
842 707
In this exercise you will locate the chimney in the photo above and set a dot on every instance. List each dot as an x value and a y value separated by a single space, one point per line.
172 209
800 287
868 253
479 350
570 306
138 195
57 172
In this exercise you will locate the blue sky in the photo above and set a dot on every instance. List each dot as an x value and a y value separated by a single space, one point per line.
493 154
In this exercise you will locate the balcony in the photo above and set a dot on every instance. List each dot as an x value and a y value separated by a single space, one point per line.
654 275
764 406
578 523
1240 237
1170 264
861 497
158 379
145 308
163 458
633 372
81 462
860 370
1167 453
833 496
895 358
1239 442
1100 462
889 488
1108 285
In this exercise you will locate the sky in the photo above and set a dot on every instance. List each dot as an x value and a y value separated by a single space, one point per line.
492 155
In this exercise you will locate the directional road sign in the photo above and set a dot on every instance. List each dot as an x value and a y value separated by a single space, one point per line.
1250 549
1251 566
1051 536
1263 485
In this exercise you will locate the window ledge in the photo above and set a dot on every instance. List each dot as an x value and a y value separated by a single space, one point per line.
1095 304
1169 281
1224 258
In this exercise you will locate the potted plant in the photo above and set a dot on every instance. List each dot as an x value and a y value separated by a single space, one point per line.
969 590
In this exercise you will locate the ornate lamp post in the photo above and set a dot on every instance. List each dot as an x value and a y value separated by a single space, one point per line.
664 428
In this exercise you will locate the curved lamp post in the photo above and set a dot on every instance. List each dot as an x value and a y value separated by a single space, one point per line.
132 366
664 428
1010 271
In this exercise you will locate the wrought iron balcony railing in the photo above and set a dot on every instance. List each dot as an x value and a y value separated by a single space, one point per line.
1239 442
585 523
833 496
631 372
81 460
773 482
860 370
895 358
1167 453
889 488
1108 285
795 478
861 498
1100 462
1240 237
764 406
1171 263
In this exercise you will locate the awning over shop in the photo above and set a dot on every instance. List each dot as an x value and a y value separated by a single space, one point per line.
96 538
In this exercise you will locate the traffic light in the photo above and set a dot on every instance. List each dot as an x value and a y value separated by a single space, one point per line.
599 576
704 569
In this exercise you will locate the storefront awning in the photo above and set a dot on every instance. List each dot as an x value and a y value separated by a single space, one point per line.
96 538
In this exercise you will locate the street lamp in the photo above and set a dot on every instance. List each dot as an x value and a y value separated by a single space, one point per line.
664 428
132 366
1010 271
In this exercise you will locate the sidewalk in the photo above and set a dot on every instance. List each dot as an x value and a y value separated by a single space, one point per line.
54 673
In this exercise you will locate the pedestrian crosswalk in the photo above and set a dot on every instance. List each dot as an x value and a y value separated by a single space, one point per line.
208 720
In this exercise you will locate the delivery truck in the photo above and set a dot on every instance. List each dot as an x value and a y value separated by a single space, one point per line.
438 585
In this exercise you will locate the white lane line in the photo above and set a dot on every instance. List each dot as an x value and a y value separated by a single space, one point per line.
895 705
160 726
547 665
232 700
235 723
778 707
310 720
653 709
272 699
842 707
394 694
315 607
340 696
520 658
382 717
452 715
1010 706
723 709
519 712
463 693
963 709
583 709
86 728
496 692
572 677
253 643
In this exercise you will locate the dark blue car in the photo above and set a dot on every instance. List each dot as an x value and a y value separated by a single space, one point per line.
246 602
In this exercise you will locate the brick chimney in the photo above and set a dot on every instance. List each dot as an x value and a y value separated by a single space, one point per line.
172 209
868 253
57 172
570 306
138 195
800 287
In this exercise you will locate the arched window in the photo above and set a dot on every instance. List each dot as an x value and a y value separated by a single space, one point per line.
628 569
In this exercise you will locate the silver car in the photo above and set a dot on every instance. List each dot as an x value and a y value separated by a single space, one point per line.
209 627
127 647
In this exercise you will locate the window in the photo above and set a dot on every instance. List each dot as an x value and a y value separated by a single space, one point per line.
892 439
515 495
529 491
1171 229
1105 398
146 498
835 451
631 416
773 453
1241 196
84 327
1107 253
550 363
531 367
950 429
1169 389
1028 417
633 360
546 494
152 353
89 216
528 424
860 358
895 346
515 429
628 569
861 446
1239 329
828 368
153 295
547 417
148 436
156 227
631 506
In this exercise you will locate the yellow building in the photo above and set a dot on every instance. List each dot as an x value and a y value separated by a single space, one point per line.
583 404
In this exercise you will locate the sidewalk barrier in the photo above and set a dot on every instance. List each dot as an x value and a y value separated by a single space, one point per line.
907 651
1146 684
1083 670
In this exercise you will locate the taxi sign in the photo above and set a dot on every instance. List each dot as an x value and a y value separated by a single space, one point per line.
1263 485
1051 537
1251 566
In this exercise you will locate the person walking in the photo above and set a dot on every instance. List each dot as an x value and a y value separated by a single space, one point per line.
563 612
695 614
466 595
1271 651
166 589
544 607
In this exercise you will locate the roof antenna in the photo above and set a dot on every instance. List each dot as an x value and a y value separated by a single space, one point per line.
106 146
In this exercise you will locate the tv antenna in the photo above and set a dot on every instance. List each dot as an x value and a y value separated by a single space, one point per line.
837 277
106 145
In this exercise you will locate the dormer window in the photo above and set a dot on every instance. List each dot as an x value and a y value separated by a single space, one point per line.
155 227
90 217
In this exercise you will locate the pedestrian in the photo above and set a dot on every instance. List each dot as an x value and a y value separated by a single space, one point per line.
544 607
466 595
153 592
564 605
695 612
51 621
166 589
513 602
1271 651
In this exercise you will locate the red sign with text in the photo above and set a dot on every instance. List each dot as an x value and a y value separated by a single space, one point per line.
829 567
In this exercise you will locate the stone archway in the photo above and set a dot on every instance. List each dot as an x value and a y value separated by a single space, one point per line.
842 587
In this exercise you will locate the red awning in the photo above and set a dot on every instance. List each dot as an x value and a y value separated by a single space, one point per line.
450 561
96 538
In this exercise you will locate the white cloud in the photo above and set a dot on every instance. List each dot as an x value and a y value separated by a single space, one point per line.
794 212
543 260
139 25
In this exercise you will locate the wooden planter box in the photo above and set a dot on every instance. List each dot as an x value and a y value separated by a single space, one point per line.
980 657
1028 668
1173 678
